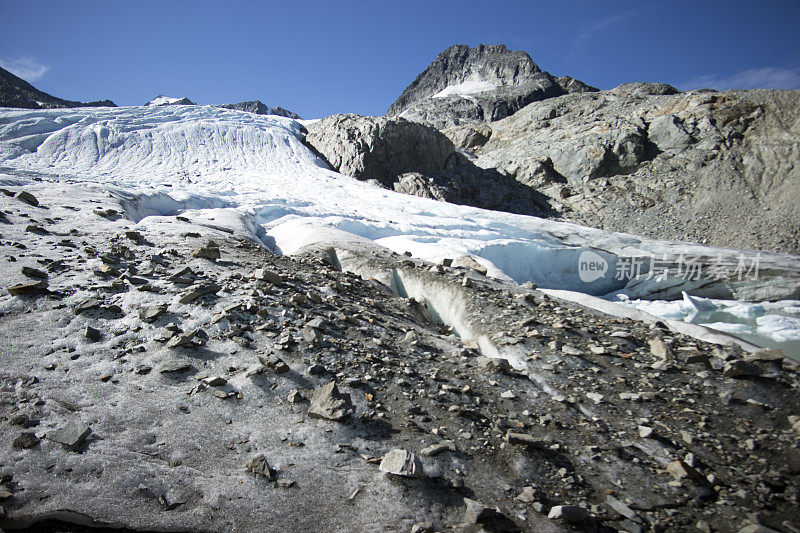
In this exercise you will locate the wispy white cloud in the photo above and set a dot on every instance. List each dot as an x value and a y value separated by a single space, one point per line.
597 26
756 78
26 68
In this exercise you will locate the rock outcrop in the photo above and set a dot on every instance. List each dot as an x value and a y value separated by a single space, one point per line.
415 159
484 83
16 92
378 148
260 108
716 168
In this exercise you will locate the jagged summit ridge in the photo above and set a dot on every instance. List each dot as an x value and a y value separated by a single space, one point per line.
260 108
16 92
480 84
460 63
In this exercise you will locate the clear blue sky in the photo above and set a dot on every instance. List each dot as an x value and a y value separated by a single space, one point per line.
325 57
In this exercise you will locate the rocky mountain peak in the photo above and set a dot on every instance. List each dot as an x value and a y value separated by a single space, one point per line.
460 63
486 83
260 108
168 100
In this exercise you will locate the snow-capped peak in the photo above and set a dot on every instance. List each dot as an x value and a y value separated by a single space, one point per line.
167 100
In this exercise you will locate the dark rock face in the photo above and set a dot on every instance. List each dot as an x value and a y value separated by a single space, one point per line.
480 84
377 148
16 92
416 159
259 108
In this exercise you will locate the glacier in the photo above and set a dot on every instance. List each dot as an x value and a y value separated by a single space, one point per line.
253 175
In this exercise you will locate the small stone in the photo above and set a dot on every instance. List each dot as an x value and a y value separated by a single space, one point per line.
33 273
182 339
741 369
645 432
173 366
86 305
172 499
765 356
134 236
197 290
702 526
495 365
570 350
595 397
26 289
259 466
436 449
659 349
28 198
25 440
528 495
422 527
284 482
275 363
71 435
152 312
680 470
311 335
524 439
476 512
295 396
327 402
402 463
466 261
92 334
411 336
573 514
621 508
214 381
209 251
756 528
508 395
263 274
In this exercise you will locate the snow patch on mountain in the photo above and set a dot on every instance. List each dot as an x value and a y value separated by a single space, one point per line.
167 100
467 88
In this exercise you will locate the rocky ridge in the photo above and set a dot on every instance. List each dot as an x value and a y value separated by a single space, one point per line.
259 108
702 166
16 92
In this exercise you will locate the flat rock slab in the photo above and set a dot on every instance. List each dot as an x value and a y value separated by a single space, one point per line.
402 463
25 289
174 366
71 435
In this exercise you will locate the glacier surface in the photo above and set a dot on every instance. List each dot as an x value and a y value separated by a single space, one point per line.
254 175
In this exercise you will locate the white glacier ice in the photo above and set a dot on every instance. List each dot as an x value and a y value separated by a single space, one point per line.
253 174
